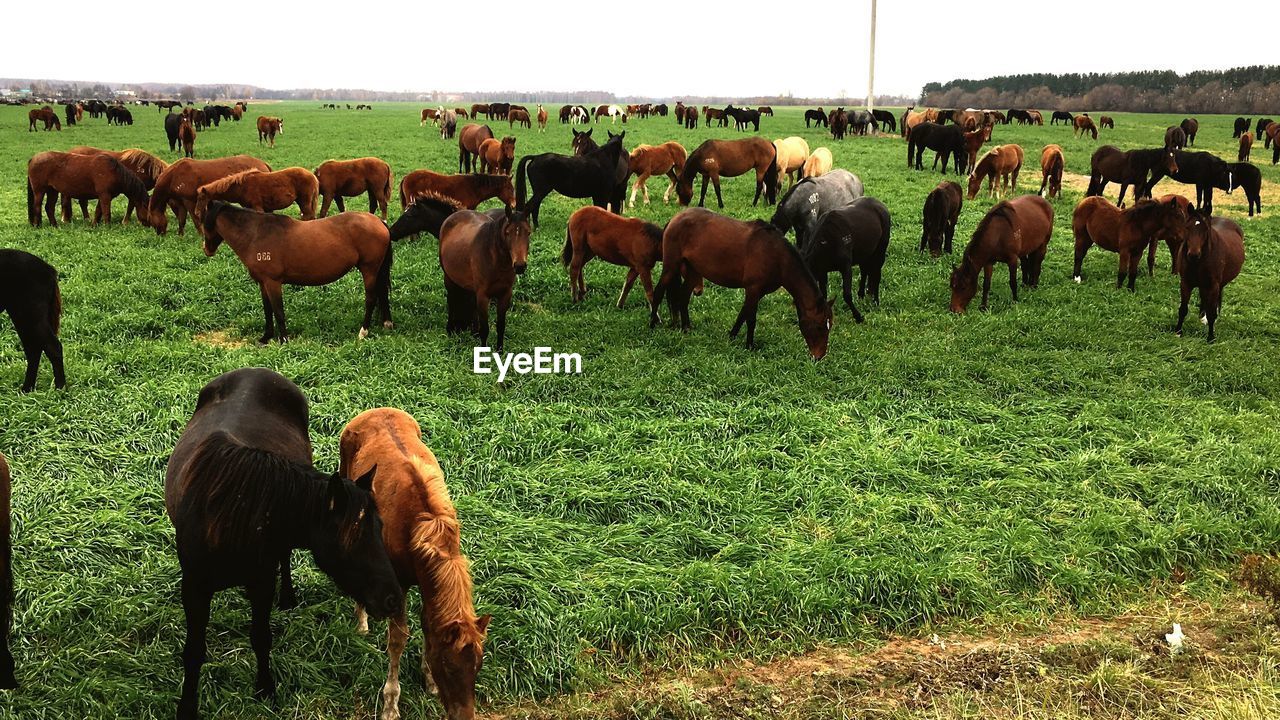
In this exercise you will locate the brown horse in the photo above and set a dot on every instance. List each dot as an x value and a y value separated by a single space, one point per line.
179 184
462 113
755 256
428 114
7 680
75 177
1175 241
1212 255
1106 121
1002 160
422 535
1013 231
714 159
542 119
650 160
518 116
972 144
278 250
1127 232
1139 168
1036 117
481 257
1051 166
467 190
268 128
1246 146
469 140
629 242
349 178
146 166
187 136
1084 124
264 191
497 156
44 115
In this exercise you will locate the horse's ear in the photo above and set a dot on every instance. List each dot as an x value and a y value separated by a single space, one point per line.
365 481
482 623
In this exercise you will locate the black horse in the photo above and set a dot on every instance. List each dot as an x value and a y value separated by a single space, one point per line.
1242 127
242 494
818 117
1022 116
812 197
172 122
947 141
1062 115
426 214
600 175
742 117
1204 170
883 119
1249 177
71 113
941 212
1140 168
945 116
29 292
856 234
1262 125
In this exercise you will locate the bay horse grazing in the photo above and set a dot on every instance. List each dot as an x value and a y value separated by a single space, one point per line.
1084 124
818 164
146 166
340 179
1014 231
429 114
187 136
1106 121
1127 232
1246 146
52 174
649 160
7 679
1140 168
478 109
1241 127
542 119
469 140
1249 177
44 115
467 190
481 257
714 159
792 152
264 191
29 293
941 213
1190 126
462 113
179 184
856 234
518 116
1212 255
497 156
1051 167
600 175
426 213
1003 161
754 255
422 535
268 128
279 251
1175 138
811 198
242 494
630 242
1036 117
946 140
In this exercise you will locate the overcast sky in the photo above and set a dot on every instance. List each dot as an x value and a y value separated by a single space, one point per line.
635 47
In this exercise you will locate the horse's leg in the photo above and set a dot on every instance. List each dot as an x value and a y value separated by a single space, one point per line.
1151 258
1135 260
1211 305
66 207
324 206
102 214
1083 243
626 287
846 276
647 280
702 198
195 606
260 592
715 180
370 299
986 285
1124 264
691 280
397 637
50 201
666 196
276 294
31 334
1123 188
268 328
644 185
749 307
1182 308
634 188
500 323
480 320
181 211
1013 278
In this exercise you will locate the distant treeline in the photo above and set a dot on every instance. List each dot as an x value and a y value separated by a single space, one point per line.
1248 90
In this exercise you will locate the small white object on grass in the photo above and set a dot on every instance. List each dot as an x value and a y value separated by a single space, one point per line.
1175 638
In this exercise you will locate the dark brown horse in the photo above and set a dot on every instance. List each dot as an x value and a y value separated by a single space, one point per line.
1051 166
1106 121
754 255
941 213
7 679
1190 126
1175 138
714 159
1246 146
481 257
468 190
630 242
29 293
1014 231
497 156
44 115
469 139
1127 232
1212 255
1139 168
187 136
180 183
349 178
518 116
278 250
75 177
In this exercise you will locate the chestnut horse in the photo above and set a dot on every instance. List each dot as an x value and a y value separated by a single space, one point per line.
649 160
1084 124
481 257
542 119
973 141
1212 255
75 177
7 680
630 242
1051 166
818 164
44 115
1246 146
1106 121
468 190
146 166
1002 160
264 191
714 159
518 116
753 255
497 156
278 250
469 139
179 184
349 178
421 532
1127 232
792 154
268 128
1014 231
187 136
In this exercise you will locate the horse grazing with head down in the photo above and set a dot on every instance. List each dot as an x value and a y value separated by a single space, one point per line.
1015 232
179 184
1051 166
630 242
818 164
649 160
242 494
1106 121
1175 138
422 535
1003 161
1211 256
1084 124
264 191
714 159
1139 168
811 198
601 175
1246 146
819 117
469 140
946 140
1127 232
82 177
467 190
793 152
1190 126
941 213
29 293
340 179
44 115
481 257
497 156
856 234
517 115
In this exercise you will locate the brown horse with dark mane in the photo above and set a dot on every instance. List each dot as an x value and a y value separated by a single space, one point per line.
187 136
1127 232
1212 255
481 257
1003 162
44 115
1084 124
350 178
714 159
423 539
753 255
278 251
264 191
1051 166
74 177
1015 232
650 160
7 679
469 139
630 242
467 190
179 184
497 156
517 115
1139 168
1106 121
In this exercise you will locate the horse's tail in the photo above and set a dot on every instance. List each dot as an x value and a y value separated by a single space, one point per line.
520 181
771 177
386 190
567 253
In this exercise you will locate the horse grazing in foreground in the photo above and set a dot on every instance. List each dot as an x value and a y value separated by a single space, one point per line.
268 128
422 536
714 159
649 160
278 251
7 679
29 293
1014 231
51 175
340 179
242 494
497 156
818 164
941 213
469 140
1204 170
1211 256
1249 177
1127 232
1190 126
179 185
856 234
754 255
809 199
793 152
467 190
264 191
1084 124
44 115
630 242
1003 161
481 257
1140 168
600 175
1051 166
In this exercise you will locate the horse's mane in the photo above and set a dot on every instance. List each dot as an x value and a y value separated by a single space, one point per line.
1144 209
128 179
437 542
431 197
151 165
1002 211
221 185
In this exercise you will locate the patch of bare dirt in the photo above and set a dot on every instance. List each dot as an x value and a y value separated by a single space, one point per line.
219 339
1235 205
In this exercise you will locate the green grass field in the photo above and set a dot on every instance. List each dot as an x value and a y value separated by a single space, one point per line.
682 500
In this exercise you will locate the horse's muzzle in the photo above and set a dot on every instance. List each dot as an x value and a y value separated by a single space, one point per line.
519 268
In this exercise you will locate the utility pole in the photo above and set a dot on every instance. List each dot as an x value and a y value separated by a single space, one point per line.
871 72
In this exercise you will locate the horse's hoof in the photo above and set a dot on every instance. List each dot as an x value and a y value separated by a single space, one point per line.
1078 279
24 389
387 324
265 340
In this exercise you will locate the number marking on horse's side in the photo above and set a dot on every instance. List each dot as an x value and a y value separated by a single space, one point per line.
264 256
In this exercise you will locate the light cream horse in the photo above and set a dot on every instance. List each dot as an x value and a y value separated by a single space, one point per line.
792 154
818 164
650 160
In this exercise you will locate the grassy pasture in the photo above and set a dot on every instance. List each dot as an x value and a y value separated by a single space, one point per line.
682 500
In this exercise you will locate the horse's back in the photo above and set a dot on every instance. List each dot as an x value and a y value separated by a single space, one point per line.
1231 237
1034 220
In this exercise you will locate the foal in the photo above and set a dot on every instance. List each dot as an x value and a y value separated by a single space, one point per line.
630 242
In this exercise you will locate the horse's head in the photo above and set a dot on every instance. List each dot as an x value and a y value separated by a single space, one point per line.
508 148
582 142
207 221
158 214
1196 232
515 231
815 326
964 285
455 654
346 541
1170 161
